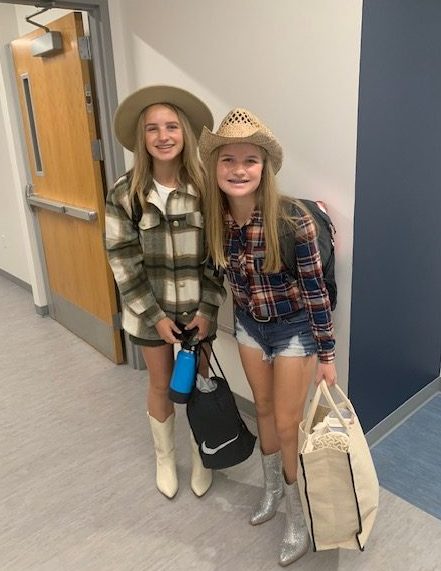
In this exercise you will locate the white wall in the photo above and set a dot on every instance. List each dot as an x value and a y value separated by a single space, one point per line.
294 63
13 258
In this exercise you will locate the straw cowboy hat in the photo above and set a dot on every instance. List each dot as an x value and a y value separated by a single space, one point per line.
241 126
128 112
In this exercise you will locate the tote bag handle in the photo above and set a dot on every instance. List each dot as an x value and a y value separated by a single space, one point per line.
323 389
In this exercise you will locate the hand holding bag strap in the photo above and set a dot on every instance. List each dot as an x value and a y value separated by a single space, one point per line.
312 410
322 389
325 389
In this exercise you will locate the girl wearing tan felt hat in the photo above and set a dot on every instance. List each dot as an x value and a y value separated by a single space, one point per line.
283 323
155 247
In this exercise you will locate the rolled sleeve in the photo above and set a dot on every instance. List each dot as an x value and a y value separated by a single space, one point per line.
313 289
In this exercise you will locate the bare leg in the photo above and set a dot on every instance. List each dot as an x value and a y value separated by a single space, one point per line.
292 376
159 361
260 375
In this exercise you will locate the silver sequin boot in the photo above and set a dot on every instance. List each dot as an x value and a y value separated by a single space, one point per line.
295 540
273 489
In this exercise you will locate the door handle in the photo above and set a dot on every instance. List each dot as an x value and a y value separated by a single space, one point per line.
58 207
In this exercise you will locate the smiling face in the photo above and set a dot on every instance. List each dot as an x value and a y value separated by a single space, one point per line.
239 170
164 138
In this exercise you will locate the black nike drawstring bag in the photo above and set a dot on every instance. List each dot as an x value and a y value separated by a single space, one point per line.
220 432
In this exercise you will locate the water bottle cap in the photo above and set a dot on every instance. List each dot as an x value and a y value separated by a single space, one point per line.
188 338
188 346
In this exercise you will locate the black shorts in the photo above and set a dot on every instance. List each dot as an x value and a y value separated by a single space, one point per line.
160 342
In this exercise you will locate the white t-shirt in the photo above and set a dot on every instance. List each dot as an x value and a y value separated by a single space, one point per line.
163 192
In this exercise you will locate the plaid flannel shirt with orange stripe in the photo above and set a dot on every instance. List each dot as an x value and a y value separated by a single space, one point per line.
267 295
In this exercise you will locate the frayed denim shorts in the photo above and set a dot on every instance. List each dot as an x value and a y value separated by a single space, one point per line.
288 336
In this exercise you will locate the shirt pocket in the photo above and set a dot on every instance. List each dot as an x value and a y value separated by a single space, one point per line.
195 219
149 220
188 236
258 261
276 278
150 236
195 222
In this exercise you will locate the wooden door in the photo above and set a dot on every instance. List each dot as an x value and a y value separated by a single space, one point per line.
58 112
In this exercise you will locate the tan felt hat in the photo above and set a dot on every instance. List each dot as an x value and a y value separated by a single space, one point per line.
241 126
128 112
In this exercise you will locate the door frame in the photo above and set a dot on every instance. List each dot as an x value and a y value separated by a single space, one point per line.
106 94
104 69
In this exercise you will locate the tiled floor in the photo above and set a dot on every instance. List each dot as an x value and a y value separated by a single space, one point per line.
408 460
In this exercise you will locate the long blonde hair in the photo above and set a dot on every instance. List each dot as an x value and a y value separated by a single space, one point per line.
191 170
272 205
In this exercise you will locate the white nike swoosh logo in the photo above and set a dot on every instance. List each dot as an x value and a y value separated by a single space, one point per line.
207 450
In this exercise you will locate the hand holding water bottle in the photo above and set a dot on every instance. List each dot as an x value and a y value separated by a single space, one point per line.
184 371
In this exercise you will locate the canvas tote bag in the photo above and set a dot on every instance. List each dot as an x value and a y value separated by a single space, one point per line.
337 480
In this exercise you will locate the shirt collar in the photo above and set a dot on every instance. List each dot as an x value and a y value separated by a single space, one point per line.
184 189
255 218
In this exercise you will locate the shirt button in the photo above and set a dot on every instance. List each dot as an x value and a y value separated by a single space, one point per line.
185 313
181 284
175 223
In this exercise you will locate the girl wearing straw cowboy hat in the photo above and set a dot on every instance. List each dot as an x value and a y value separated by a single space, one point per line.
156 249
281 324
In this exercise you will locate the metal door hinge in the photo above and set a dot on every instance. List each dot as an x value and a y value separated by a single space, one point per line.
117 321
84 48
97 150
88 98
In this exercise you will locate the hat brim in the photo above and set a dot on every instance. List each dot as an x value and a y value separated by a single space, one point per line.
128 112
209 142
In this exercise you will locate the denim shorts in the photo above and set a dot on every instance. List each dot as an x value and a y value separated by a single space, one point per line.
289 336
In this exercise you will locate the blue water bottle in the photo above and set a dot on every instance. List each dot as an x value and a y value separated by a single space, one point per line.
184 371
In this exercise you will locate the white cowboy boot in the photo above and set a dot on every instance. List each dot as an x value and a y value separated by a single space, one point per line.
273 489
295 541
164 440
201 477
